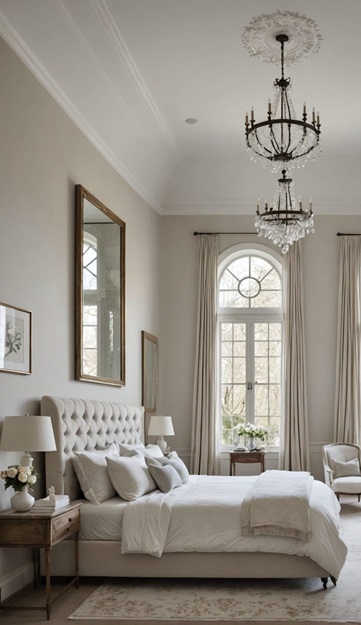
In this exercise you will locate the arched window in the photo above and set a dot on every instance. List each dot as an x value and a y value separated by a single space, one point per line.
250 341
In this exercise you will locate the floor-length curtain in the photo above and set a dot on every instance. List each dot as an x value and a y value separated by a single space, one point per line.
204 443
348 378
294 451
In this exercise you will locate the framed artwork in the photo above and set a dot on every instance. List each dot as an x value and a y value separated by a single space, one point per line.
149 371
15 339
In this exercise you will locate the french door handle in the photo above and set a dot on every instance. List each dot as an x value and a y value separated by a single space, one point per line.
249 386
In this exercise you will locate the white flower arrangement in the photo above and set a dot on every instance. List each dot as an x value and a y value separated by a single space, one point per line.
18 477
252 431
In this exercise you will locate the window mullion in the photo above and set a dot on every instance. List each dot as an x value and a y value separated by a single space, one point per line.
250 370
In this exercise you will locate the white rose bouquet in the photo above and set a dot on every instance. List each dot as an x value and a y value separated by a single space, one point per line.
252 431
18 476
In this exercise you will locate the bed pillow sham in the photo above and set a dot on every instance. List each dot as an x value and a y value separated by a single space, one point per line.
91 470
165 477
129 476
173 461
346 469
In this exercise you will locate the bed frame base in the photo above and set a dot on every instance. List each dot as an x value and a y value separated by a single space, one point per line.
104 559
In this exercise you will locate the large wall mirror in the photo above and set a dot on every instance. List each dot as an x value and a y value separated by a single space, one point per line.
100 292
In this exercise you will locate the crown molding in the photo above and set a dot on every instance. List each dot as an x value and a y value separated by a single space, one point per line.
30 60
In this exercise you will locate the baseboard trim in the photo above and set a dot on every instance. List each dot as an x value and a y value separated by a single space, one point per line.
16 580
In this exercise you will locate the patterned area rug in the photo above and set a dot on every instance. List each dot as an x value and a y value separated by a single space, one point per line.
237 600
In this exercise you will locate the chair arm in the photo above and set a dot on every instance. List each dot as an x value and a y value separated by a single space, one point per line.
328 475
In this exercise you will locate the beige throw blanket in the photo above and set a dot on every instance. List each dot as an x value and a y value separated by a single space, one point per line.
278 504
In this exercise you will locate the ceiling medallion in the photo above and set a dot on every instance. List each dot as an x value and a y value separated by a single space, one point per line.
304 37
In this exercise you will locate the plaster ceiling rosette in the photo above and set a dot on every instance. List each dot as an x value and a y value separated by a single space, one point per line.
259 37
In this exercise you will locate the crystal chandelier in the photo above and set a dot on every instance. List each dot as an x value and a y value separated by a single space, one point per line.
284 222
281 139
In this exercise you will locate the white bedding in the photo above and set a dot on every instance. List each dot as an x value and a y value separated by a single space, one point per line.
102 522
204 515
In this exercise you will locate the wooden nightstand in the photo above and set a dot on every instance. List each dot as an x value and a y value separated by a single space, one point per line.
41 531
246 457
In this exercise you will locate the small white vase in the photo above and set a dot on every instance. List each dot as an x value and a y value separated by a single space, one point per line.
22 501
251 443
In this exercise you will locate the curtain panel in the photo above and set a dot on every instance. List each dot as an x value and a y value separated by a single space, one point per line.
348 374
204 438
294 448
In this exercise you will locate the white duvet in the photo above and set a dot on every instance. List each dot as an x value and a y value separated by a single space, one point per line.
204 515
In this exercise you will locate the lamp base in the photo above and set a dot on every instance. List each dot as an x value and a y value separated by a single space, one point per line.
27 460
162 444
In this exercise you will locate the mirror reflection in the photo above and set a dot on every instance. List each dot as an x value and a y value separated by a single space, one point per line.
100 293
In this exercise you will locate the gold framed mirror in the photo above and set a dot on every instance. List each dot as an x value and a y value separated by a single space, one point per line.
99 292
149 371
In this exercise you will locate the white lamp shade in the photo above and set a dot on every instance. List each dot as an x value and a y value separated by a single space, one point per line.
160 426
27 433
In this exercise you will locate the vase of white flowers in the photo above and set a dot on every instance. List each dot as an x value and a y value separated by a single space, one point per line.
251 432
20 479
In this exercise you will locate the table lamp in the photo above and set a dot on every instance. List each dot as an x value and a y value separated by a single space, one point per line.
161 426
27 433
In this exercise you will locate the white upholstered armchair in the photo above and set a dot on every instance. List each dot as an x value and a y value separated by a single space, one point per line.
341 463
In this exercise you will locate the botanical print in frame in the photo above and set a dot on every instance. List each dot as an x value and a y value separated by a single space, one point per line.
15 339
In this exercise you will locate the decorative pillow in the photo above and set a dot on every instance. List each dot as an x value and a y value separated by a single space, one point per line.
151 451
347 469
165 477
174 462
91 470
127 450
130 476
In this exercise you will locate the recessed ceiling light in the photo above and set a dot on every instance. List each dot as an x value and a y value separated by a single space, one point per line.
191 120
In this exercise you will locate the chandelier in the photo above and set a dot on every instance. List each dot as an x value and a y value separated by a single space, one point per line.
281 139
284 222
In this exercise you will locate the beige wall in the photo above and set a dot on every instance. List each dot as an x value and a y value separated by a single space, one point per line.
43 155
321 257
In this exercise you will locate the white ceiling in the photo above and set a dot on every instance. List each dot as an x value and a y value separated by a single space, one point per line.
129 72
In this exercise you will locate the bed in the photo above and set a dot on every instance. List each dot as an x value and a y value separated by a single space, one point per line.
88 425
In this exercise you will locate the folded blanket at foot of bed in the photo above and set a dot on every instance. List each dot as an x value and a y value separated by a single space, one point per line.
278 505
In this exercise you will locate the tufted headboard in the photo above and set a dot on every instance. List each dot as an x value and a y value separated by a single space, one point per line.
84 425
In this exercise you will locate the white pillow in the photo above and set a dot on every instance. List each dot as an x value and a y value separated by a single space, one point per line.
166 477
151 451
91 470
347 469
130 476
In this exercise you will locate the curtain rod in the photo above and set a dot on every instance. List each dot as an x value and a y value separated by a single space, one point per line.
197 233
351 234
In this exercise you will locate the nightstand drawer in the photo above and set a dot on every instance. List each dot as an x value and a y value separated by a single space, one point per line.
66 524
17 532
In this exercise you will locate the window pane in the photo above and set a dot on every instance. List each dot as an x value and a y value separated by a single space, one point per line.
274 400
261 400
227 370
267 299
271 281
275 370
227 348
275 331
261 370
261 331
227 331
239 331
239 370
239 348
